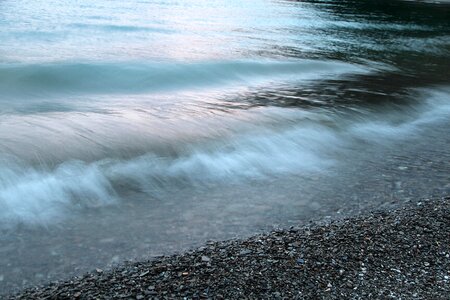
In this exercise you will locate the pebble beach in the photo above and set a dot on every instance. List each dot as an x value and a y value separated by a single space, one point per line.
398 254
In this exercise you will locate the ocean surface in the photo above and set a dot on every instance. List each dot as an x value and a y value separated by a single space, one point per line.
130 129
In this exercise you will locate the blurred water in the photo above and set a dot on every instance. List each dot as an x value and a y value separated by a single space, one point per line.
131 129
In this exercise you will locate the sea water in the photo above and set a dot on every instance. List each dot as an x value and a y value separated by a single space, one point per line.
130 129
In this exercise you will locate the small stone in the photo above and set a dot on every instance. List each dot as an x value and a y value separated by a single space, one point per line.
205 258
77 294
426 264
99 271
139 297
245 252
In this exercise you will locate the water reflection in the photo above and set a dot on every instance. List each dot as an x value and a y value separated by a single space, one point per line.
134 129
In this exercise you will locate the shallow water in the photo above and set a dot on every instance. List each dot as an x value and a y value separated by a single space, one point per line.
129 130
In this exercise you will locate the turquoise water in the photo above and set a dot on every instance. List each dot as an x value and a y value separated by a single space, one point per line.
129 129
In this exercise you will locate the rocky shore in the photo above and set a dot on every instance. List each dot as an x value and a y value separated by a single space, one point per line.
399 254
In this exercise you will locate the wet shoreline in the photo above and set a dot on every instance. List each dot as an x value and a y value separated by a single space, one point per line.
132 130
390 253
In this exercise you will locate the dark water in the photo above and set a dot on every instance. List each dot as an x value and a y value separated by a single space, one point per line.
129 130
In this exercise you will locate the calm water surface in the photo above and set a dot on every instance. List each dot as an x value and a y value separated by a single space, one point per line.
134 129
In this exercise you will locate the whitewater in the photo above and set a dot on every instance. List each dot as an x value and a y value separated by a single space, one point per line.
134 129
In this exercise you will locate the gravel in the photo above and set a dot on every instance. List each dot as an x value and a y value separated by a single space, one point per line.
398 254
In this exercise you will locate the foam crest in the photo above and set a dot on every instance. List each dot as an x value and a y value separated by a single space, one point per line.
35 195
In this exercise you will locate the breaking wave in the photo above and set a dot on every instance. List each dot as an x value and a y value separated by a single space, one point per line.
38 195
139 77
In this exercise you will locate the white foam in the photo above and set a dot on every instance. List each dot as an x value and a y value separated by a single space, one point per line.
36 195
434 109
40 197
